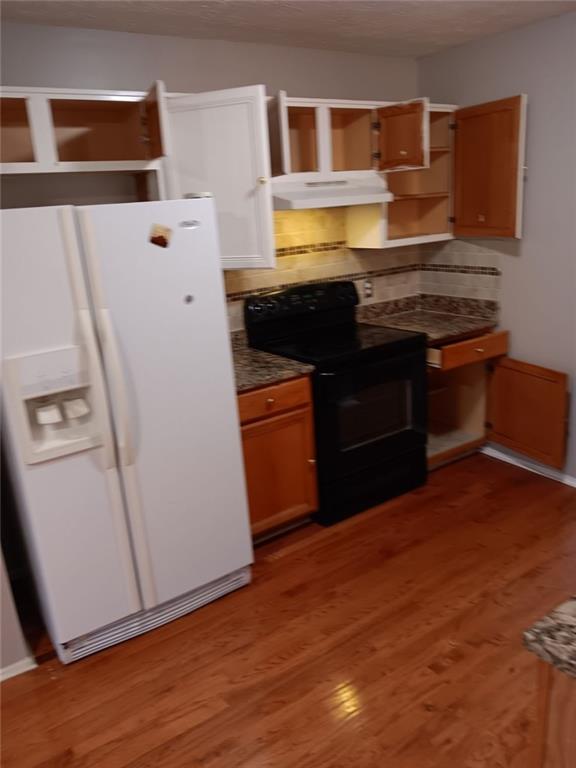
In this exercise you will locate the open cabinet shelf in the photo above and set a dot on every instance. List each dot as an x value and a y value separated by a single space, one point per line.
34 190
432 180
439 129
423 196
94 131
456 410
351 131
15 134
415 216
303 139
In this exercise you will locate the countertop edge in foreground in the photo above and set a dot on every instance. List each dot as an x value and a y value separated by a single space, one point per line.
553 638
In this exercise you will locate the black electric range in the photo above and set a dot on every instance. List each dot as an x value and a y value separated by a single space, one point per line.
369 388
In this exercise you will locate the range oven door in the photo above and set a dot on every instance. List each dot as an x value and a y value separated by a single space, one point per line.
368 413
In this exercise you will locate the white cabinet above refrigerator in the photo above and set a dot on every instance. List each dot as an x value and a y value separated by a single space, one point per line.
219 146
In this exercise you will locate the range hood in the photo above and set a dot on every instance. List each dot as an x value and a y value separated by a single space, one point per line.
298 195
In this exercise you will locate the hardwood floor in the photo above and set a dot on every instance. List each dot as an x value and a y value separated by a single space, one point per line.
392 640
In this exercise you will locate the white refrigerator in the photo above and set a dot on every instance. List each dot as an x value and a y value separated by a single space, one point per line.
120 408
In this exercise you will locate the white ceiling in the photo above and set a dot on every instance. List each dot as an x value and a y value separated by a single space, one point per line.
400 28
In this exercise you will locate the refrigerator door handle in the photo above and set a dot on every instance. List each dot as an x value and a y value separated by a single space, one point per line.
117 387
98 388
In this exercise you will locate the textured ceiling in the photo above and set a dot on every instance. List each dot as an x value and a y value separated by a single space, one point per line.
402 28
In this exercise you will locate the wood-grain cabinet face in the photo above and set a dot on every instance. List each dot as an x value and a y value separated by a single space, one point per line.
472 185
488 169
279 454
476 395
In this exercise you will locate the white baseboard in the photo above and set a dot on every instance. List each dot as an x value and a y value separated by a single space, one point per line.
18 668
531 466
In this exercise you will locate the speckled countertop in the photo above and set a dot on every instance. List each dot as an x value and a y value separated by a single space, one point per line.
553 638
440 327
254 369
443 319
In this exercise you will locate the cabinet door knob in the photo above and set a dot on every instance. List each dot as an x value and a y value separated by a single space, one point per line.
480 350
270 401
311 461
262 180
403 153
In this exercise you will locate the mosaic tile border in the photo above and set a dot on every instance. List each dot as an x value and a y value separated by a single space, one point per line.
334 245
417 267
462 269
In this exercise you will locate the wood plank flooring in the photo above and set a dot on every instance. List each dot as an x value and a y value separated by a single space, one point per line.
392 640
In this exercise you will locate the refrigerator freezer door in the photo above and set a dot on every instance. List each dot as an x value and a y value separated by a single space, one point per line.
71 506
158 290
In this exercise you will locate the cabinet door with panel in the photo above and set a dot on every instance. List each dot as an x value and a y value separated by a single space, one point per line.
403 136
219 146
280 469
279 453
527 410
489 168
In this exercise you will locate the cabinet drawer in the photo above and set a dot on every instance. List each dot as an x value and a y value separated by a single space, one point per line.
470 351
269 401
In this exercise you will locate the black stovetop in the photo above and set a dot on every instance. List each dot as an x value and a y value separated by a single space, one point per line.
343 343
317 325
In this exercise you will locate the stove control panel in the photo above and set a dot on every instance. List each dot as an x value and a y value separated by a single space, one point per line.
300 300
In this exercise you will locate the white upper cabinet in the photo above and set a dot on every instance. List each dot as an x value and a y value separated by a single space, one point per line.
218 145
339 139
48 131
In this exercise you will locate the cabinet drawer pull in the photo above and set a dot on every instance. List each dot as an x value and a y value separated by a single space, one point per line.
270 400
311 461
480 350
403 153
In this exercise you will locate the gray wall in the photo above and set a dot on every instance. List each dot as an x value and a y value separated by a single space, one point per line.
82 58
12 646
539 273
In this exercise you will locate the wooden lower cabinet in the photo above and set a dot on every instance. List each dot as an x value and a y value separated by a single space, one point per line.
518 405
279 457
556 737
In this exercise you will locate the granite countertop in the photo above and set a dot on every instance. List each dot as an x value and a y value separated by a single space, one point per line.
440 327
553 638
253 368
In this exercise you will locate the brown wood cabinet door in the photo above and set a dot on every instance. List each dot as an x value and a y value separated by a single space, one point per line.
401 142
527 410
155 119
279 459
488 169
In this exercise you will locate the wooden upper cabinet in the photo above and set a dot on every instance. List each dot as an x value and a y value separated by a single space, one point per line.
403 135
488 168
527 410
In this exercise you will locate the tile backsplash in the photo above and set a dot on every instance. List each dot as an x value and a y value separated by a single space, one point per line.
311 247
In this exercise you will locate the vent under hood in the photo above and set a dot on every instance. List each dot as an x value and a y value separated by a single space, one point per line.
329 194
